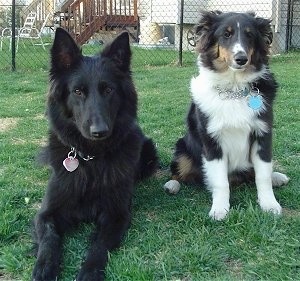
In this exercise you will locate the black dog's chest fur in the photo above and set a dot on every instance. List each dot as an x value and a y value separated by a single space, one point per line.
85 190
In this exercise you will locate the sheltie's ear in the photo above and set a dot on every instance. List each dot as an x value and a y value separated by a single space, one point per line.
264 27
119 51
64 52
204 30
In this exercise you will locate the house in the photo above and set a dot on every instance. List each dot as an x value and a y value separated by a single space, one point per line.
154 22
285 17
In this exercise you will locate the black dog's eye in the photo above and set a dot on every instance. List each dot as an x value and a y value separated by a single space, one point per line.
78 92
108 90
227 34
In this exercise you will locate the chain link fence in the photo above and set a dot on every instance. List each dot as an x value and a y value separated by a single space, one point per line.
161 31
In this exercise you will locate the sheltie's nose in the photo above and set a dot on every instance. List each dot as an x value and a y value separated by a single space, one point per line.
99 131
241 58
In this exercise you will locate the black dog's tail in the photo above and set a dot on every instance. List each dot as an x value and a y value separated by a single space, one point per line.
148 160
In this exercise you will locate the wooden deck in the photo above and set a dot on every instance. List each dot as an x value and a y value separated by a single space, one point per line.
83 18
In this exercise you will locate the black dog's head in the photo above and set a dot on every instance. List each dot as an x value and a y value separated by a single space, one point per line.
239 41
91 92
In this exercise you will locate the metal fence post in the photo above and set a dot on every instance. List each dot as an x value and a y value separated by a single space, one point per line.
181 33
13 35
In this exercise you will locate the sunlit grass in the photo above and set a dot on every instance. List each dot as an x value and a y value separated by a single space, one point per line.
171 237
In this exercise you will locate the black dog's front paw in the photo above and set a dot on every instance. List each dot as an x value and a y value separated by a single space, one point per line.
45 270
90 274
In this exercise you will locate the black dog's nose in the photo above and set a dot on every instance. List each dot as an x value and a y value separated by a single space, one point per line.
99 131
241 58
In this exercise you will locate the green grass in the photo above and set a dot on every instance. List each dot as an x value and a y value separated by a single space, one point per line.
171 237
31 56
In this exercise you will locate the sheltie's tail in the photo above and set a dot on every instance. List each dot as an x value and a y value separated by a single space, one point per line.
148 160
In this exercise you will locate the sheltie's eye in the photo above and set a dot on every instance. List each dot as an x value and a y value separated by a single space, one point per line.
78 92
227 34
249 35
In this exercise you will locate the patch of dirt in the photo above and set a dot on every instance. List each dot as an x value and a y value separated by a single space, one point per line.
6 278
39 117
40 142
160 173
2 171
8 124
291 213
235 267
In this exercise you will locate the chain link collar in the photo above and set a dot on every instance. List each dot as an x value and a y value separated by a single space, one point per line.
229 94
74 152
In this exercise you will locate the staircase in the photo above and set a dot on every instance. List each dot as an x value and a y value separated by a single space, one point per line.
84 18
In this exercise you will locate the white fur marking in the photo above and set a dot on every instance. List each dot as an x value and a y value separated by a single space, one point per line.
237 47
230 121
263 180
217 182
235 147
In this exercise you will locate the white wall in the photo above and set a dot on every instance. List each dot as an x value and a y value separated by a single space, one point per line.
168 12
261 7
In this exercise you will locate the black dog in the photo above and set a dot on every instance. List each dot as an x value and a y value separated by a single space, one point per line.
96 150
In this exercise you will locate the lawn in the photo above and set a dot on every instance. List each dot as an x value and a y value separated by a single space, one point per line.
34 57
171 237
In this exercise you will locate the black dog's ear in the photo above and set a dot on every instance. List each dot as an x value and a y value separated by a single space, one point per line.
204 30
119 51
264 27
64 52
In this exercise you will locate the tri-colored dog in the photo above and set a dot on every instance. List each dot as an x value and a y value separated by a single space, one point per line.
229 124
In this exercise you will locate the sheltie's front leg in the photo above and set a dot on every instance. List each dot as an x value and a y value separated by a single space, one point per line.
216 176
261 157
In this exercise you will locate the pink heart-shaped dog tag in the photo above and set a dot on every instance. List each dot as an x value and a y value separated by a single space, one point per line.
71 164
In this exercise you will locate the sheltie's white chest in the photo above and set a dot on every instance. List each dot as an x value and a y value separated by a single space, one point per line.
231 121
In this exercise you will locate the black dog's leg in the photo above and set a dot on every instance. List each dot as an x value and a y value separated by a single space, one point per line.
49 249
110 231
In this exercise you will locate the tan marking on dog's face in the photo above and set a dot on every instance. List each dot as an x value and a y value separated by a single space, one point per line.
248 29
250 53
223 60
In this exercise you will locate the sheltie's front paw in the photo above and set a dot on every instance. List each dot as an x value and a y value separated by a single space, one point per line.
218 213
270 205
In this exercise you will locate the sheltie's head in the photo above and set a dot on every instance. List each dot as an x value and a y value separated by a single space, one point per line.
236 41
